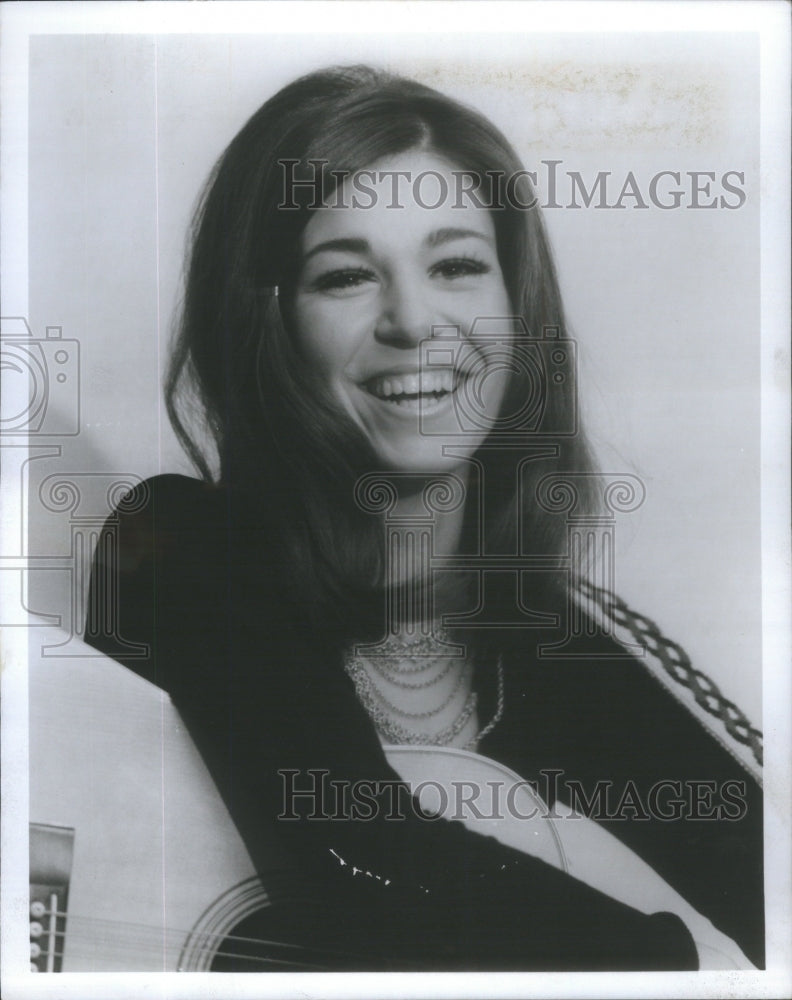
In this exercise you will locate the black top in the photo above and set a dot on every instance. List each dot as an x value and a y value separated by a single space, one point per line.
260 694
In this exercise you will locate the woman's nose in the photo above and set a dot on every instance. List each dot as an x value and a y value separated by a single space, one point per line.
406 315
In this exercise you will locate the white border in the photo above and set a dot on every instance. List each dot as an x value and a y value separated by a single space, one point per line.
771 21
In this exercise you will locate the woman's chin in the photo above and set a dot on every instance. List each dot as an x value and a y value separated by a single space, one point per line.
424 457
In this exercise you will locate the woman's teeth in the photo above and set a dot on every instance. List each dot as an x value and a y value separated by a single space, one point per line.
409 390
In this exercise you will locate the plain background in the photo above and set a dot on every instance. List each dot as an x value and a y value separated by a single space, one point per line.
664 304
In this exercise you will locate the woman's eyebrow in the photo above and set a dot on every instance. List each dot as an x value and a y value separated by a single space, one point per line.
349 243
440 236
353 244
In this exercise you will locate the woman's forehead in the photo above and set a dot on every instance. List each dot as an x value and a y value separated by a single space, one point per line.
418 197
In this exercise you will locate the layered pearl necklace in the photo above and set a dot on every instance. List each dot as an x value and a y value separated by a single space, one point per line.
403 667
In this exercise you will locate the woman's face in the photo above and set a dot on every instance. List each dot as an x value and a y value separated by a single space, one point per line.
379 278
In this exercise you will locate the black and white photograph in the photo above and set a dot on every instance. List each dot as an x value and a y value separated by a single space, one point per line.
394 581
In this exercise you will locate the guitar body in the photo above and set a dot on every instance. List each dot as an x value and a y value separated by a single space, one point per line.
158 875
136 864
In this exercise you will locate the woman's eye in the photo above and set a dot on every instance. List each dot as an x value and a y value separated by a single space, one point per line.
459 267
343 279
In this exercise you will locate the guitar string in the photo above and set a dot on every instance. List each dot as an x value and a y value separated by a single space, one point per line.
207 938
250 957
152 930
243 956
156 934
253 958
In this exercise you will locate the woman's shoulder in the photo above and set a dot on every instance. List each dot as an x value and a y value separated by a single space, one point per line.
170 497
689 689
174 526
189 531
639 687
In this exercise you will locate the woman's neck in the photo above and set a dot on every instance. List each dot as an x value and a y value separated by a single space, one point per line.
415 540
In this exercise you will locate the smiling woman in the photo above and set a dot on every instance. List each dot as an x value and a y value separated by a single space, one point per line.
385 561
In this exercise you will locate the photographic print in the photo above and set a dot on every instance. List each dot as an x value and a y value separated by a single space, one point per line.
395 499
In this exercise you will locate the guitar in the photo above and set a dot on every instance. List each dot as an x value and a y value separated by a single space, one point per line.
136 865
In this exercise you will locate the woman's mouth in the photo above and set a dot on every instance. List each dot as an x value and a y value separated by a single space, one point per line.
415 391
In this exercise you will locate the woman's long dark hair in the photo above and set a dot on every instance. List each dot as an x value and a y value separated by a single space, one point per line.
279 437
